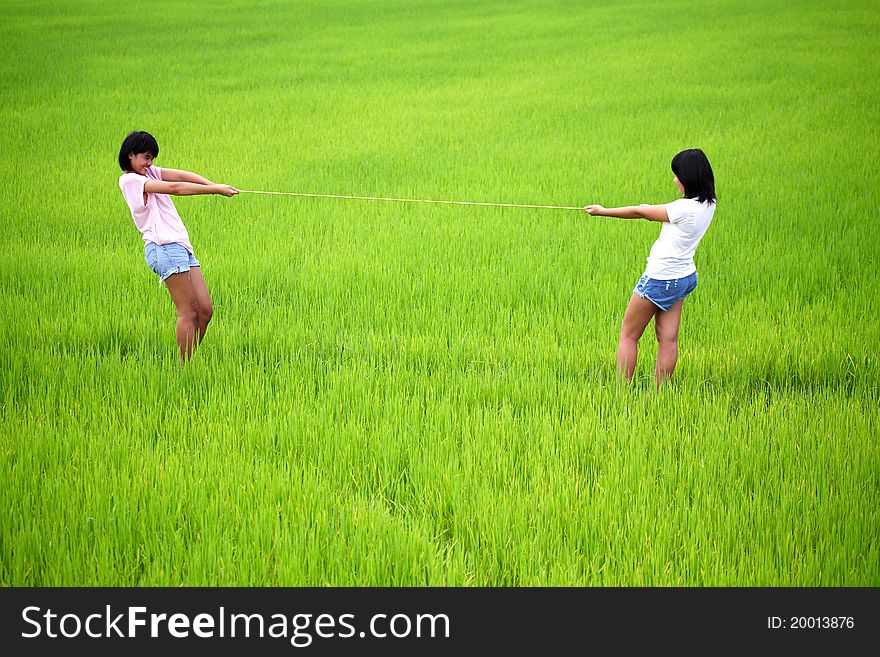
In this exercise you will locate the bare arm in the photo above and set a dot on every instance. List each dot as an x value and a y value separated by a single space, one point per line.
178 175
644 211
186 188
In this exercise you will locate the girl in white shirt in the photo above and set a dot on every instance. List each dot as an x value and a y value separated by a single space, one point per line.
670 275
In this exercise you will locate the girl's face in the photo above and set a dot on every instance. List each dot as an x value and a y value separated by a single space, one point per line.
140 162
679 185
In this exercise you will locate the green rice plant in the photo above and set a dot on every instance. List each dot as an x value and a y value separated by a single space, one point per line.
395 394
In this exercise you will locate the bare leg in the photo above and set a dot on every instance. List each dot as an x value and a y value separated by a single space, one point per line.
182 291
206 309
638 314
666 325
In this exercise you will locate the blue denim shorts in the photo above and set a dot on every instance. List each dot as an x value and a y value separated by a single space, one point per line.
168 259
664 294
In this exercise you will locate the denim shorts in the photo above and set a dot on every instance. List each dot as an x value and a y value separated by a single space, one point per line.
664 294
168 259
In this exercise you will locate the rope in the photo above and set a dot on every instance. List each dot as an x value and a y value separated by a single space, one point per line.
414 200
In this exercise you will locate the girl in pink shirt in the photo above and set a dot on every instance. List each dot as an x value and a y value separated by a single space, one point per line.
147 190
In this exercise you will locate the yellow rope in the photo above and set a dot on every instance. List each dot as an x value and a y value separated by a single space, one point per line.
414 200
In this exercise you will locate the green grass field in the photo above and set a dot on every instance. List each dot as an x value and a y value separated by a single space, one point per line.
397 394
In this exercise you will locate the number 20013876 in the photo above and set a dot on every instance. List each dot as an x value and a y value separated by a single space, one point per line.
810 623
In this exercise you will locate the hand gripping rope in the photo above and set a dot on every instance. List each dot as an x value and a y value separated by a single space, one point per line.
414 200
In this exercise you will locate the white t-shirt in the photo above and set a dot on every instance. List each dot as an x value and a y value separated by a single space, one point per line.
154 214
672 255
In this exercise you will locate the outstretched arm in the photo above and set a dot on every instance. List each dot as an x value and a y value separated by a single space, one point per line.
187 188
643 211
178 175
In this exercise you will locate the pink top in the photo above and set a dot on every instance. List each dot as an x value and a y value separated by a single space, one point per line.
154 214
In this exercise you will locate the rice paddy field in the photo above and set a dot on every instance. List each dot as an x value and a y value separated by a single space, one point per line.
412 394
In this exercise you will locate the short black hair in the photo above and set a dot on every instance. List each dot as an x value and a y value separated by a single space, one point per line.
695 174
137 142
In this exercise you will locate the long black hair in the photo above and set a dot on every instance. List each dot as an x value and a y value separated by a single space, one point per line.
695 174
138 142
